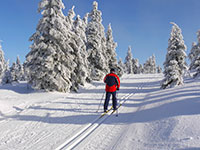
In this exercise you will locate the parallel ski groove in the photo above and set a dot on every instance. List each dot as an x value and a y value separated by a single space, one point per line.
89 128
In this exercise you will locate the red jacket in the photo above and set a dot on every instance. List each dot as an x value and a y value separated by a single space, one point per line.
112 82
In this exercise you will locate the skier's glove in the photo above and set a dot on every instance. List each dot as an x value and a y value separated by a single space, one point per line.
117 89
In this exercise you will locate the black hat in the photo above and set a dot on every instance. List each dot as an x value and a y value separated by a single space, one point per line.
112 70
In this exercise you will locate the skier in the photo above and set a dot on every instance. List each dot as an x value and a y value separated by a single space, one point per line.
112 84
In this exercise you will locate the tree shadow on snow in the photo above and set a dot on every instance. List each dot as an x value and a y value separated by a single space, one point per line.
185 106
21 88
161 98
74 119
179 108
194 148
62 109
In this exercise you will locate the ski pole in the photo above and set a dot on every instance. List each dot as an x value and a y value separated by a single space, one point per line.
100 101
118 103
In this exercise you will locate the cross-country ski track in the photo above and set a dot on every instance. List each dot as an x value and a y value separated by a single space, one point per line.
89 128
149 118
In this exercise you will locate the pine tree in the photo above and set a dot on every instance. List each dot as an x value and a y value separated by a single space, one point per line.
159 69
193 52
194 56
82 69
111 52
150 65
128 62
147 66
74 79
140 69
14 73
2 63
121 65
20 70
7 75
135 65
70 18
175 64
96 44
50 61
11 74
111 48
153 64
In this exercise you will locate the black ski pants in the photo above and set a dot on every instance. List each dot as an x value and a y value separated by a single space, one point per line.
114 100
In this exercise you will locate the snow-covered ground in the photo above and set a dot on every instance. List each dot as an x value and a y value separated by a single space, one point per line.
150 119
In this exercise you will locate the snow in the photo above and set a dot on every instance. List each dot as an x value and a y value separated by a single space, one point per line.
150 119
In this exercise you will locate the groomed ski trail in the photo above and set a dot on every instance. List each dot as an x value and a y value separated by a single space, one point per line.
153 119
89 128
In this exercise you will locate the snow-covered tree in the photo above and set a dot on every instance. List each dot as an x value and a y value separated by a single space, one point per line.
70 18
74 44
140 69
111 52
20 70
50 61
153 64
174 65
6 79
96 44
121 64
11 75
14 73
172 75
82 72
159 69
2 63
147 66
128 62
150 65
193 52
111 48
194 56
135 65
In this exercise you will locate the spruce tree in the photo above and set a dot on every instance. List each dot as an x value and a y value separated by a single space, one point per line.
111 48
135 65
73 45
174 65
82 69
2 63
159 69
121 65
150 65
50 61
20 70
111 52
153 64
14 73
128 62
147 66
96 44
140 69
6 79
70 18
193 52
194 57
11 74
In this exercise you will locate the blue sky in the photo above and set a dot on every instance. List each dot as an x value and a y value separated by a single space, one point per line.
142 24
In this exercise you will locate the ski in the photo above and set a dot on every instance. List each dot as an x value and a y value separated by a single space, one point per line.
117 113
104 113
